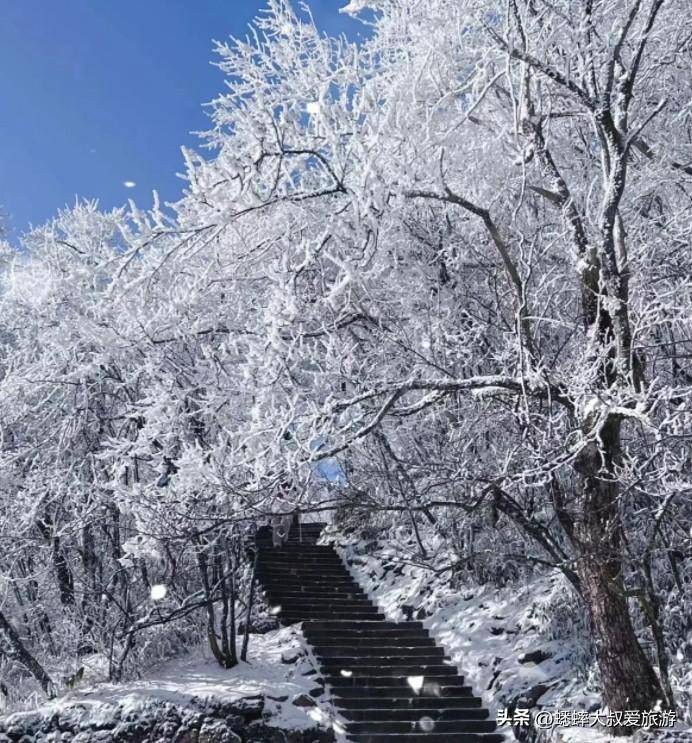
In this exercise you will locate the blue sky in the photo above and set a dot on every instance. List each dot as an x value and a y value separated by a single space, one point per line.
94 93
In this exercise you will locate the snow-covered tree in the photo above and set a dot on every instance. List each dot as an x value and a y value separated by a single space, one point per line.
457 254
470 227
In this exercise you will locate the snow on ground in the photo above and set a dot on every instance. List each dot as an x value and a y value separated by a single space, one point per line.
197 674
512 643
272 672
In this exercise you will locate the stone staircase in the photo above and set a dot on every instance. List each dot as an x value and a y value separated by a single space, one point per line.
388 680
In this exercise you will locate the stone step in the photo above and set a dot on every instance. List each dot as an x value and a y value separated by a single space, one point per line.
318 589
294 547
387 665
332 605
300 564
302 567
346 703
306 539
323 595
387 661
337 597
429 690
298 549
349 675
294 571
380 678
308 590
276 589
392 680
298 572
385 631
292 582
373 649
433 737
307 558
384 639
327 617
309 544
298 577
369 645
307 598
315 611
394 674
301 528
325 575
307 586
338 625
318 586
306 568
345 608
411 715
294 544
340 592
450 727
295 618
371 639
299 552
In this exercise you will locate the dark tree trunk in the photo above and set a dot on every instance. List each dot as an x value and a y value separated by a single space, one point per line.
627 676
222 581
60 564
248 613
37 611
209 604
233 655
63 573
12 646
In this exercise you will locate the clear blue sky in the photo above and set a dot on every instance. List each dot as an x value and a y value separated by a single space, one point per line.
94 93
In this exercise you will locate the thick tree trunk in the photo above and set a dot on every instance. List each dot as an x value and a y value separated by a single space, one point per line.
233 637
60 564
627 676
63 573
248 613
12 645
209 603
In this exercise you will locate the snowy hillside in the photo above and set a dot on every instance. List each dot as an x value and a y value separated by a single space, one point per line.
277 692
522 645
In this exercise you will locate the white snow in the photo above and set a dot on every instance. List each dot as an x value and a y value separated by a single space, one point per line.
356 6
197 674
487 632
158 592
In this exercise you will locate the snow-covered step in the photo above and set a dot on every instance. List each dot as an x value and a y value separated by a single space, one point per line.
451 713
407 703
389 680
382 687
433 737
381 652
422 725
